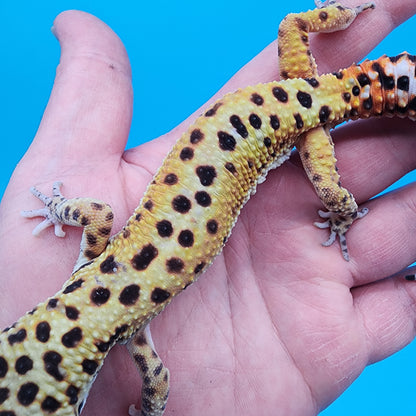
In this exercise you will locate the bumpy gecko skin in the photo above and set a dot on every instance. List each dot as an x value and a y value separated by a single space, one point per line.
50 357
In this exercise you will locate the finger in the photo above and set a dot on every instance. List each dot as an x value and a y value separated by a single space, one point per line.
386 310
373 154
90 106
387 232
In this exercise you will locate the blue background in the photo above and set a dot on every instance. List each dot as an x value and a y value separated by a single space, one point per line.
194 47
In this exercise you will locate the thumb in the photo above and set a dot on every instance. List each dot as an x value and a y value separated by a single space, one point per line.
90 107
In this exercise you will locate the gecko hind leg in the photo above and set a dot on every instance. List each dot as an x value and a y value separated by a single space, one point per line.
155 375
316 147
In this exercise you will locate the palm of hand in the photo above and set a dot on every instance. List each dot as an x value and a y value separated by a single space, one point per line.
278 321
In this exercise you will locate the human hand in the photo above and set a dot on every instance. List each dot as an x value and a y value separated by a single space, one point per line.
279 322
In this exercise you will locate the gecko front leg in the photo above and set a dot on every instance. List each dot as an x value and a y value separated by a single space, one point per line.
95 216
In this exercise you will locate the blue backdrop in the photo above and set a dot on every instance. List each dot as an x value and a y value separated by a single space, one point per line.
160 37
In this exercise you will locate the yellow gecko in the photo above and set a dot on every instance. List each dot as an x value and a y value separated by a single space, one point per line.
50 357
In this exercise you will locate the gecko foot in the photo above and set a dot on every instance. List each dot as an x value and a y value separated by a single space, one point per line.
339 225
358 9
49 211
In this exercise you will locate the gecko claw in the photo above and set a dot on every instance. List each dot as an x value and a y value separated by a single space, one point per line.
338 226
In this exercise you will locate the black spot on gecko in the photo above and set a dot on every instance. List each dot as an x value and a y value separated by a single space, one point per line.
170 179
280 94
66 212
304 99
368 103
85 221
199 268
164 228
104 231
90 254
226 141
230 167
363 80
72 338
18 337
50 404
99 295
149 391
148 205
346 97
313 82
267 141
103 346
239 126
412 104
4 367
356 90
129 295
257 99
96 206
187 153
141 362
387 82
323 16
324 113
403 83
75 214
186 238
108 265
213 110
174 265
196 136
72 392
212 226
206 174
203 198
338 75
71 313
301 24
255 121
91 239
159 295
43 330
181 204
142 260
140 340
274 122
27 393
158 370
299 120
4 395
73 286
23 365
51 360
89 366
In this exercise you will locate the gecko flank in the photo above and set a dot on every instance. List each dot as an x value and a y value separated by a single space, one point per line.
50 357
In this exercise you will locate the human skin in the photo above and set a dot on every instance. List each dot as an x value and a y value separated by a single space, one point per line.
279 324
